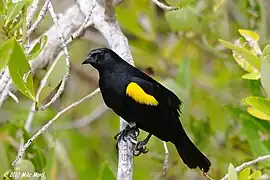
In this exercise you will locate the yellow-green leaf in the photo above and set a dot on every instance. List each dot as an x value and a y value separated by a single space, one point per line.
55 77
249 34
265 73
256 175
252 76
39 46
246 54
232 174
20 71
258 114
259 103
244 174
5 51
13 10
266 50
243 63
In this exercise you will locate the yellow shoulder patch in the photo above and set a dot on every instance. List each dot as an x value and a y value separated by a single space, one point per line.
139 95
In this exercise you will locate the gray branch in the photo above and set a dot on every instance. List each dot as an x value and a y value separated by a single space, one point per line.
110 29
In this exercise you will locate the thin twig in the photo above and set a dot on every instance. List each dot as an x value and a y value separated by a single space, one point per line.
5 92
41 15
164 6
166 160
86 23
249 163
13 96
4 80
84 121
65 49
30 117
31 12
49 123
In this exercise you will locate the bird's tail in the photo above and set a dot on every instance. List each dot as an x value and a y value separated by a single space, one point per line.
191 155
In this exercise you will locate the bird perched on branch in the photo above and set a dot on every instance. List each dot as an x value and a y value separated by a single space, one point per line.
143 103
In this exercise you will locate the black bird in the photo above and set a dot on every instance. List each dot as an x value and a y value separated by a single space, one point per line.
140 99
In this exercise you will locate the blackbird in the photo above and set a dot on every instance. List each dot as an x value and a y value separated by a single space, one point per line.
144 103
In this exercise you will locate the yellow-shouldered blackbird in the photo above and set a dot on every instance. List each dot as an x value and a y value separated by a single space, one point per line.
140 99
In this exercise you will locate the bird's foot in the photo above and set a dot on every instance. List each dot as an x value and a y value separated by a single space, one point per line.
140 148
127 132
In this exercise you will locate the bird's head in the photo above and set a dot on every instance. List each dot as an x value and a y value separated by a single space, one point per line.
99 58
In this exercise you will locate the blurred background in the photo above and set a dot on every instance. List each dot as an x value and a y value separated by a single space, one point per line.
182 50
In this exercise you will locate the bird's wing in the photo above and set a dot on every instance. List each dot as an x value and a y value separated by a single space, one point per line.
152 93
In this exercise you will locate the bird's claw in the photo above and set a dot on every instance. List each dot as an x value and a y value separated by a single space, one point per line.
140 148
126 132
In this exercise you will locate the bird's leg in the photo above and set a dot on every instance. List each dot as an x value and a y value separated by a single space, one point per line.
206 175
141 146
130 128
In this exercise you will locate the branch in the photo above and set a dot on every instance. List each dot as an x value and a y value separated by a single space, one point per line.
84 121
249 163
166 160
164 6
117 42
46 126
31 12
33 27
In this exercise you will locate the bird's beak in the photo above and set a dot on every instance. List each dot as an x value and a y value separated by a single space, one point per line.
88 60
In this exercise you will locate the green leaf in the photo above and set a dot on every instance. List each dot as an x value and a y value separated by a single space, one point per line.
20 71
106 173
251 130
244 174
24 165
252 76
249 35
39 46
259 103
55 77
183 19
246 54
15 26
256 175
266 50
258 114
5 51
13 10
232 174
265 73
